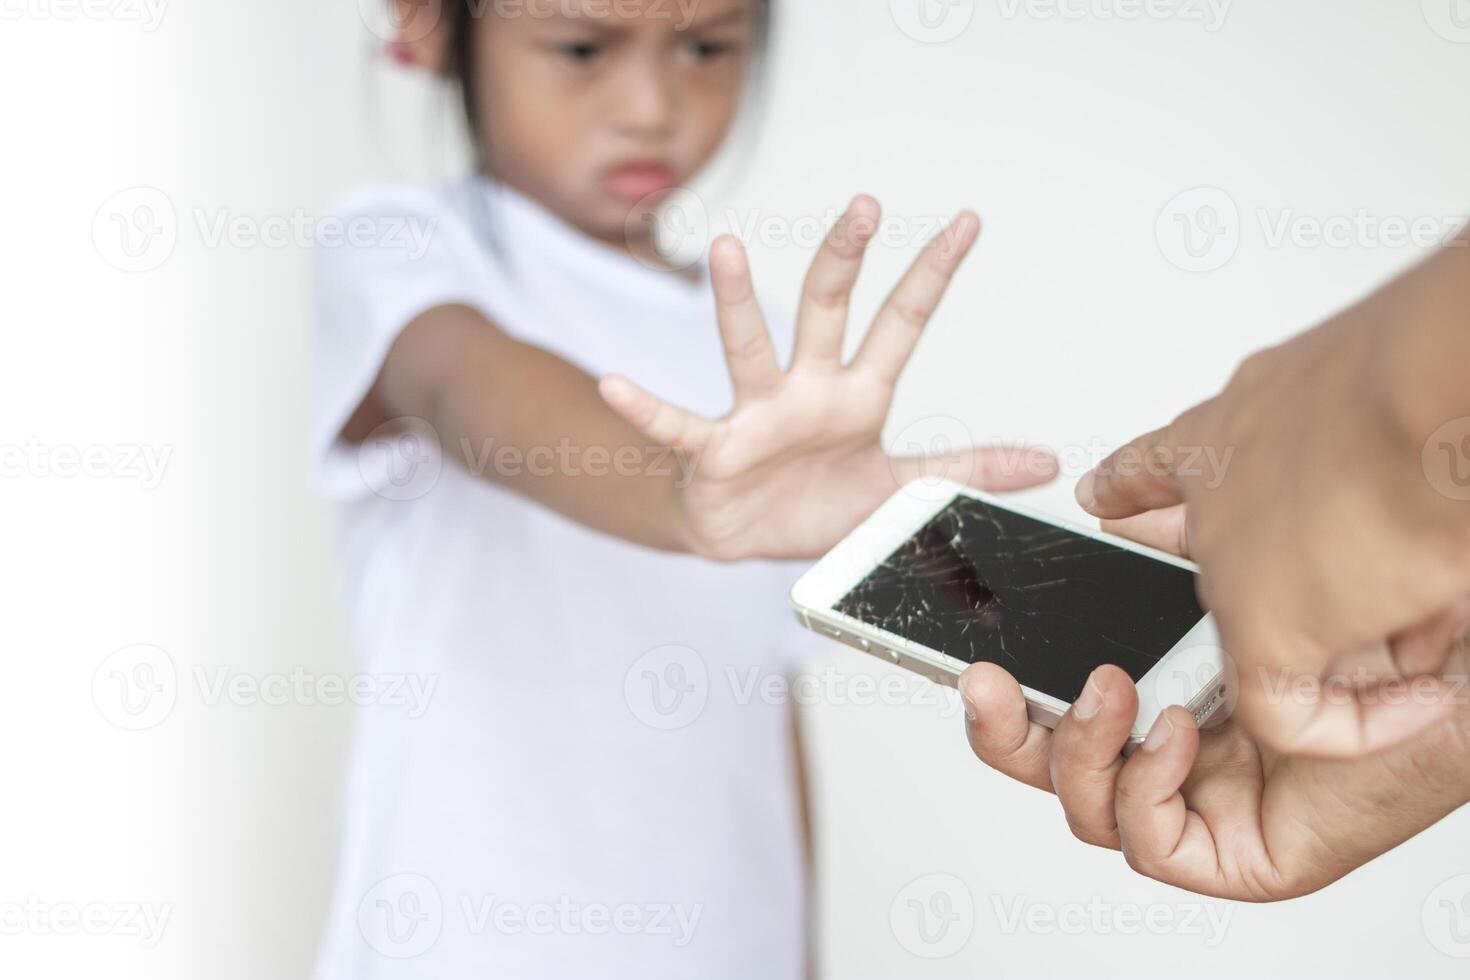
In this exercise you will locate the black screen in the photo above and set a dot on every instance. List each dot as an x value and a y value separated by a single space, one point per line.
1049 605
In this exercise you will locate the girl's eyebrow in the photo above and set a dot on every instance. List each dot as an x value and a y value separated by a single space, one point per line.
611 27
731 16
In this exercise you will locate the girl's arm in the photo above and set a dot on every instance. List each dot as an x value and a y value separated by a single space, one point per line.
795 465
522 417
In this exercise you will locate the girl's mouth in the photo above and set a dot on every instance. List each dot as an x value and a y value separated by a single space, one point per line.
634 181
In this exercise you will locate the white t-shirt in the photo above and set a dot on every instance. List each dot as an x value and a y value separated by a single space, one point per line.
572 755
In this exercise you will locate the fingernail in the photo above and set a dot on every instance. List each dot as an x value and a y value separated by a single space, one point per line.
1086 496
970 713
1159 734
1090 702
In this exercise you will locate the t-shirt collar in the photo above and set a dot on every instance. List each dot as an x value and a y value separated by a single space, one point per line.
523 230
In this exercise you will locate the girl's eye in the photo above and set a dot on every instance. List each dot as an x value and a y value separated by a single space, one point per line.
710 50
581 53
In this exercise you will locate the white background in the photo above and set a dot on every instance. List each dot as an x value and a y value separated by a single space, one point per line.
1071 133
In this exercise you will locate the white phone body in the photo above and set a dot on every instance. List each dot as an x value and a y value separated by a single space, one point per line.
1192 673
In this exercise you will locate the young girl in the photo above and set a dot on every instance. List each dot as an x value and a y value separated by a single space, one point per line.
593 783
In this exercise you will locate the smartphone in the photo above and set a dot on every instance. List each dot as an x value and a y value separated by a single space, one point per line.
943 576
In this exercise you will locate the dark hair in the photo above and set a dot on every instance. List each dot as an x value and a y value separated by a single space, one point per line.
462 63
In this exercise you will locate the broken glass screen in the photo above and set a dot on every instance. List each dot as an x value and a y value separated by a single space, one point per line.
1049 605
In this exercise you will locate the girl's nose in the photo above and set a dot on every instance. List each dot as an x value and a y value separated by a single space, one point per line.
646 101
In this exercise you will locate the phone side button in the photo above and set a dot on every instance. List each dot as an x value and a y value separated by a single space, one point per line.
894 656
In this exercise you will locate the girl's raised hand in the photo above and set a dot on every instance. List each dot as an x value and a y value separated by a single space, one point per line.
797 463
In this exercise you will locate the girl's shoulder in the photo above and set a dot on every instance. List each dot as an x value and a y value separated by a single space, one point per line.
385 215
446 199
379 228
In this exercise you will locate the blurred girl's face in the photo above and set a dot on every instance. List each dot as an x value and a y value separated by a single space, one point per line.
596 108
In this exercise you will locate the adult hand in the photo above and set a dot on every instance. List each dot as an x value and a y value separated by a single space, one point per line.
1323 536
1215 811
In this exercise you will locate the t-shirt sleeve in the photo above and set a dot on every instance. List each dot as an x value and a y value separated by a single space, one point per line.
402 252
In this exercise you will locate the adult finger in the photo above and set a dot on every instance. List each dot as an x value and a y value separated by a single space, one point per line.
821 320
749 352
896 330
1086 754
1166 530
1000 733
1139 477
1161 838
1424 649
1334 714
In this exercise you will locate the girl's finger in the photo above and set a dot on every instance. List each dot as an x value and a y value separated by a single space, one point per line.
999 731
1166 529
665 424
748 349
896 330
1086 754
822 319
1160 837
986 467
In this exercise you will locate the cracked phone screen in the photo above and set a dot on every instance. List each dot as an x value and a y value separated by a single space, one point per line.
981 583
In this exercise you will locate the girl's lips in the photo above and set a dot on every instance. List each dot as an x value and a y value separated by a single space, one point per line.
635 181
